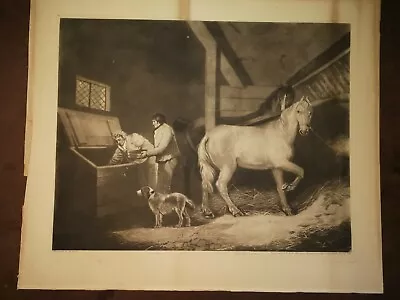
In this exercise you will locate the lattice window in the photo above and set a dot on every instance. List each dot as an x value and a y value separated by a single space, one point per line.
92 94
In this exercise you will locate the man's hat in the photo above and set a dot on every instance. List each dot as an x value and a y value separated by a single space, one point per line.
119 133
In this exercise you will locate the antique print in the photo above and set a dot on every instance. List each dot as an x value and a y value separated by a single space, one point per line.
222 146
176 135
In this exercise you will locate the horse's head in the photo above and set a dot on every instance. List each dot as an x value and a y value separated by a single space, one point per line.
304 111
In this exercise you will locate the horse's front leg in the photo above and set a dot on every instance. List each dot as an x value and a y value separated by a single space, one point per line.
278 176
295 169
222 183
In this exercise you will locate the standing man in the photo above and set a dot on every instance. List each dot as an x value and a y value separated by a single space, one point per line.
165 150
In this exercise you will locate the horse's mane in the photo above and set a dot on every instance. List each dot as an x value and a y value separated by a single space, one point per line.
286 111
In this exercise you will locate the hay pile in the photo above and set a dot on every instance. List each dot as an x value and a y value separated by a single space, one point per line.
255 201
250 200
322 223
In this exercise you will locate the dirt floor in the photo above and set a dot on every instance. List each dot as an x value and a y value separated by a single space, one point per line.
321 223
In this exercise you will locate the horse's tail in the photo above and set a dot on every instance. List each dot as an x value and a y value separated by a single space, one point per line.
207 171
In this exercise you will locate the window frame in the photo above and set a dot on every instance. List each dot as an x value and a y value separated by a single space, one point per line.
90 82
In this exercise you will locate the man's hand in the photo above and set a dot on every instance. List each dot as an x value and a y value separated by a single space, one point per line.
143 154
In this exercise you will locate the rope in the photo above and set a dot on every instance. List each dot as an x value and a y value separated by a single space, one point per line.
320 138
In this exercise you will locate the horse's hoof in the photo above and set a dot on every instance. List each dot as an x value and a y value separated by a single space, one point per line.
242 213
236 212
288 211
208 214
290 188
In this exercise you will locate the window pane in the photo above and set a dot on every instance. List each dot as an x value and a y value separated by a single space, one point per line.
92 94
82 93
98 97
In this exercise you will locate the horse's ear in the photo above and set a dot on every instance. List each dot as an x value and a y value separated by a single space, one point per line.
298 102
305 99
285 113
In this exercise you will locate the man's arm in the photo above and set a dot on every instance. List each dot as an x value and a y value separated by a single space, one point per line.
137 140
117 157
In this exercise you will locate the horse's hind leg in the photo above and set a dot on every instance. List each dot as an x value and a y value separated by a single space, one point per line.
186 216
225 176
278 176
204 204
295 169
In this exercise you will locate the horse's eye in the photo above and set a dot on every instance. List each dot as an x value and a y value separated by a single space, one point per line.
298 111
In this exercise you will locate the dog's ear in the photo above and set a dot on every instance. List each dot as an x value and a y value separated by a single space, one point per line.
150 191
147 191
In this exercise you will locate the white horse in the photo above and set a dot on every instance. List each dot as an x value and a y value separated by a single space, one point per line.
226 147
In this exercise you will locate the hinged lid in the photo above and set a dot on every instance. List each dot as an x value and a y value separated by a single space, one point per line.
88 129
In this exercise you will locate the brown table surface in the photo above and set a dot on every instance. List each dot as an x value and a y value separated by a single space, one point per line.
14 20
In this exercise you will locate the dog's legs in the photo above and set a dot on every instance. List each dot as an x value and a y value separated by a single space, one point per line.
157 220
160 220
156 216
187 217
179 213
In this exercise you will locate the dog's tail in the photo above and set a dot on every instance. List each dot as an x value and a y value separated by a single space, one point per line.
207 170
190 203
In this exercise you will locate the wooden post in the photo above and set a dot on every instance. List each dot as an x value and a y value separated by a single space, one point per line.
210 80
215 60
210 87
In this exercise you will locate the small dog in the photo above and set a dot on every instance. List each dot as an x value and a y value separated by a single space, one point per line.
163 204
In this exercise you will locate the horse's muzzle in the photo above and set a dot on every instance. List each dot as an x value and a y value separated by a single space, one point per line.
304 131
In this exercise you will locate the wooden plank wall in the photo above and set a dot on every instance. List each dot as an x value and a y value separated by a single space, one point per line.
238 102
324 78
331 81
327 76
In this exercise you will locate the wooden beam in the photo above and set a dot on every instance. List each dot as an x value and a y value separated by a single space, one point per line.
322 68
208 41
210 46
249 92
202 33
229 72
336 51
235 107
211 88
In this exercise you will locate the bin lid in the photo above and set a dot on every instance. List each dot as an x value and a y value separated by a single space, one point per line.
88 129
